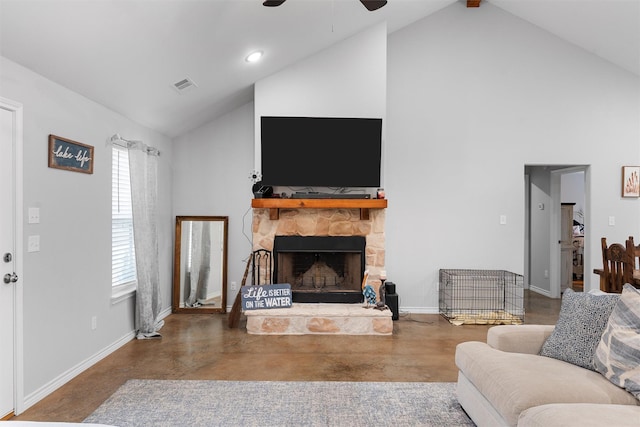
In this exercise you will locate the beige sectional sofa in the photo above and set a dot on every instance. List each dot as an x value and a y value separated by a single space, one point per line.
504 382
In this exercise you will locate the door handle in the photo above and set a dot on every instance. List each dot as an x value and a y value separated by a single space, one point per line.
10 278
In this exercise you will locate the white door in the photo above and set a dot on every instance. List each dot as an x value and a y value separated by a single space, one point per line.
8 276
566 246
555 267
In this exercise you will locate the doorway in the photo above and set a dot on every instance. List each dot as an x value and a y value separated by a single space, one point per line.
543 251
10 258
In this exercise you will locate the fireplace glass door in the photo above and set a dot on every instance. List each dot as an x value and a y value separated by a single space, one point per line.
321 269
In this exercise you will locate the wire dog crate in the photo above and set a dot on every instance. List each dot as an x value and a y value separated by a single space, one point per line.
481 297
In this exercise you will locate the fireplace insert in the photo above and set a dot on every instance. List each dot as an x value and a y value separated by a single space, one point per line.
321 269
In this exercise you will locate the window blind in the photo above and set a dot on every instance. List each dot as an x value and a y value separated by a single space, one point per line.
123 260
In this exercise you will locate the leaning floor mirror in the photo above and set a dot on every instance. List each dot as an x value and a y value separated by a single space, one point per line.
200 264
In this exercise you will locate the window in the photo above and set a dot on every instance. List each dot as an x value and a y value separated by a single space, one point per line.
123 254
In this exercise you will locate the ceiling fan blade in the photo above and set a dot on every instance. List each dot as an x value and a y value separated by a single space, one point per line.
273 3
372 5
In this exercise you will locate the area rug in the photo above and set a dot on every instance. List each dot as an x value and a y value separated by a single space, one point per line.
277 403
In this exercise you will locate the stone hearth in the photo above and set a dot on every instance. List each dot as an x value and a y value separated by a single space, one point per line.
320 319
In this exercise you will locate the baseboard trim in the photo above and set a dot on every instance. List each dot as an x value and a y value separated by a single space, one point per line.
419 310
67 376
164 313
540 291
70 374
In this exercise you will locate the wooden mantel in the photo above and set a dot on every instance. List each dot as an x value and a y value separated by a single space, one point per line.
275 204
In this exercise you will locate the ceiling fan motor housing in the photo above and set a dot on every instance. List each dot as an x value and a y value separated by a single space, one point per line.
371 5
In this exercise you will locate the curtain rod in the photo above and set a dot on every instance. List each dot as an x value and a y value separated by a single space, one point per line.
128 143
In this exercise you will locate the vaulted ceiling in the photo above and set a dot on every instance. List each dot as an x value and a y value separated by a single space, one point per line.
129 54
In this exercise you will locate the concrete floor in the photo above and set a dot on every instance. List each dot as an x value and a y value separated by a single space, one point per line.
201 346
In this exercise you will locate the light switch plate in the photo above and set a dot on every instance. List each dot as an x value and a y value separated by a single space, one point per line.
34 215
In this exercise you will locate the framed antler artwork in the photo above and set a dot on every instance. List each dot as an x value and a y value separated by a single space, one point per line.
631 181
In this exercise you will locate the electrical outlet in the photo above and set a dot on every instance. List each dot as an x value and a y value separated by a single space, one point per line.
234 286
503 219
33 244
612 220
94 323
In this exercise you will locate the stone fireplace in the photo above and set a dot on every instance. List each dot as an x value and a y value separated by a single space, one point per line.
322 253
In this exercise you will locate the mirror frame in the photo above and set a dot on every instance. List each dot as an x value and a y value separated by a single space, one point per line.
176 265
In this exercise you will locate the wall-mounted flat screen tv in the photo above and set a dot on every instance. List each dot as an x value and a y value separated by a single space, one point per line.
321 151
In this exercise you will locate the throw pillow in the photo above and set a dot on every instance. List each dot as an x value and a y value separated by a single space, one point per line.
582 320
617 356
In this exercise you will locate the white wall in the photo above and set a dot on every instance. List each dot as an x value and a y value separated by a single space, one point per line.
540 258
211 167
348 79
473 96
69 280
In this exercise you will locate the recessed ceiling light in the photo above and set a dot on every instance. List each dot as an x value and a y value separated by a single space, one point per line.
254 56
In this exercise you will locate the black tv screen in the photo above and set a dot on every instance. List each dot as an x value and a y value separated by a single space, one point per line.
321 151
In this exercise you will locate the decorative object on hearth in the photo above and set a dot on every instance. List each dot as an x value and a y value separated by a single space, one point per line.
369 295
266 297
382 302
262 273
368 291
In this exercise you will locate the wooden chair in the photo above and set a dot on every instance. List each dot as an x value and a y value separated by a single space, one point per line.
633 253
616 267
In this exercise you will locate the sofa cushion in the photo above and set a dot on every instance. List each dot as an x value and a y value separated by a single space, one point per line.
513 382
582 320
519 338
617 356
580 414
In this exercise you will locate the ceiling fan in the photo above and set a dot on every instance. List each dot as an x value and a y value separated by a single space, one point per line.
371 5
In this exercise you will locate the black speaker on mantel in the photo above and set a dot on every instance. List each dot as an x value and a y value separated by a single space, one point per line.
391 299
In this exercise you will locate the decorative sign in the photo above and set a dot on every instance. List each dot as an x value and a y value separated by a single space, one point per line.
70 155
263 297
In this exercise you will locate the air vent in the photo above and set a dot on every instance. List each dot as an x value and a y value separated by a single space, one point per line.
184 85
